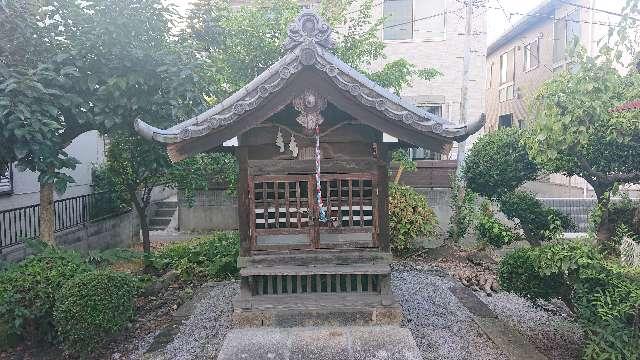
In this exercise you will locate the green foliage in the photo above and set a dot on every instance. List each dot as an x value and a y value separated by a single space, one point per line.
401 156
463 210
409 217
238 43
198 172
519 273
210 257
608 300
538 222
490 230
498 163
576 133
111 256
92 306
604 294
59 81
28 291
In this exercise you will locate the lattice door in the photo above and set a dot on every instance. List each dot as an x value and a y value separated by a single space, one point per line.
284 213
281 212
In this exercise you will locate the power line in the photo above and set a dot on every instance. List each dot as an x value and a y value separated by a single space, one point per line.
598 10
537 56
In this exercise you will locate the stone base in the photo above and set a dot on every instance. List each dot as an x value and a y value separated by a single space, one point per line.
329 343
383 315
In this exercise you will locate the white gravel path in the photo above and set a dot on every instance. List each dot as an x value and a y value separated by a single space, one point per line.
201 335
442 327
553 333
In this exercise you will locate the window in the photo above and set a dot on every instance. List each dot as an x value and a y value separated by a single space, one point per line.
414 20
505 121
426 154
489 75
507 64
506 93
566 30
531 55
6 181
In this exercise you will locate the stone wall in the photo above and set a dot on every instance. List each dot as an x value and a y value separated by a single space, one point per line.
117 231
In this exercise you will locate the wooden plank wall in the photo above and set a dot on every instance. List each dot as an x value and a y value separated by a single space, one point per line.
429 174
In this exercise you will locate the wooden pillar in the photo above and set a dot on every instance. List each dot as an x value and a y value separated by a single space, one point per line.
242 154
383 197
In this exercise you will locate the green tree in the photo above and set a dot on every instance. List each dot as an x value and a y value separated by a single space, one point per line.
133 168
239 43
70 66
576 132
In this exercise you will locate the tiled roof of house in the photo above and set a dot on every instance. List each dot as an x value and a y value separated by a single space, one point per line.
628 106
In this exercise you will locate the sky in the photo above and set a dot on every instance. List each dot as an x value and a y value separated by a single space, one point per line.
497 22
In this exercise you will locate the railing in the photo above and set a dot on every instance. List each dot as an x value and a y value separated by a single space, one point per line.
19 224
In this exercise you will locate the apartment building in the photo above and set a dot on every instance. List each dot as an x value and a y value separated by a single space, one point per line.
430 34
535 49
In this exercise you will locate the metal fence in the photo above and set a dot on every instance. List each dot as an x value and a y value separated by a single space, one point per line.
577 209
19 224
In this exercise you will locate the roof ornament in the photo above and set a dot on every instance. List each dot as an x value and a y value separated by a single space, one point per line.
309 28
310 104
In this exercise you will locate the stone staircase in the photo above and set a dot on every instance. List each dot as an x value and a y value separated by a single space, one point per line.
162 214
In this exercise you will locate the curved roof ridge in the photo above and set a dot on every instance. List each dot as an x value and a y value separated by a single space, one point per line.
308 46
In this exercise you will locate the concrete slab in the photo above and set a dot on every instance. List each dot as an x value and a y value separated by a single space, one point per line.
328 343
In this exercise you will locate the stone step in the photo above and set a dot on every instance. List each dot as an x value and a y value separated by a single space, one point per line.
316 269
159 221
164 212
157 228
316 257
328 343
167 204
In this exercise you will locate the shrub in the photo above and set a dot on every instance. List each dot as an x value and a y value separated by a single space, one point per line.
604 294
498 163
538 222
490 230
463 210
409 217
608 300
519 273
208 257
28 291
93 306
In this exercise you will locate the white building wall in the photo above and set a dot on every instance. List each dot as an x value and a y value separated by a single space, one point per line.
88 148
445 55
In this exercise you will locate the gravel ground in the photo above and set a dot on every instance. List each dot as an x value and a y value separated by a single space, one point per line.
551 331
441 326
201 335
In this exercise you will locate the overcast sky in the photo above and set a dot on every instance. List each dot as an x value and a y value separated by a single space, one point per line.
497 22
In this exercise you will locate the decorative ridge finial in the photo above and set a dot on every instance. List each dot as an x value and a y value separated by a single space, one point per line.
309 27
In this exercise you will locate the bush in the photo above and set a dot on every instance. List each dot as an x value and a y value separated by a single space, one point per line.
538 222
498 163
604 294
463 210
28 291
205 258
519 273
92 306
409 217
490 230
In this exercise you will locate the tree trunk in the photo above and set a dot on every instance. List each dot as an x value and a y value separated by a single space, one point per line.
144 225
604 229
398 174
47 214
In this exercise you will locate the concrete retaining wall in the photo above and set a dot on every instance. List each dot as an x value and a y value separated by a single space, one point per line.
211 210
117 231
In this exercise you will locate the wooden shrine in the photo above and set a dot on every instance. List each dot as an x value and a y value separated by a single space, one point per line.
312 190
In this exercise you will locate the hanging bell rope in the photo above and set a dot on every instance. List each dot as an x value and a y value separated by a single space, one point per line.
323 211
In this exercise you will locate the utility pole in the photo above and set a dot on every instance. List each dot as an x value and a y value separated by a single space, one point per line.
464 98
